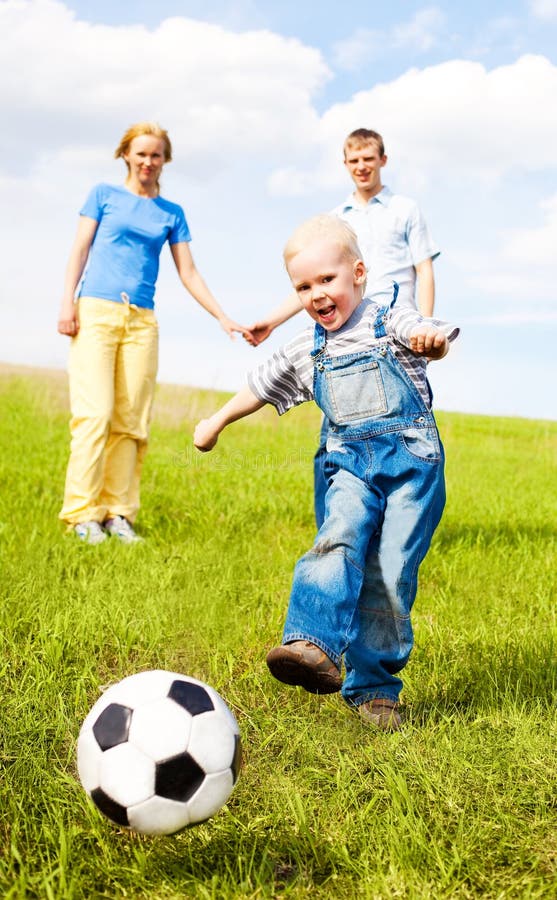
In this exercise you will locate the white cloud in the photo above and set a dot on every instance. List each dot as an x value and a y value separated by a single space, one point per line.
535 246
521 268
505 33
361 48
544 9
454 120
420 34
236 92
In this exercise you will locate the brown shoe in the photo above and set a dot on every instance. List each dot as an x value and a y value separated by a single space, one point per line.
305 664
381 713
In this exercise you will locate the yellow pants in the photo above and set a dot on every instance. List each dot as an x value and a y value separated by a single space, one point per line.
112 371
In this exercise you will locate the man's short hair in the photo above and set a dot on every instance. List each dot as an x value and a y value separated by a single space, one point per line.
364 136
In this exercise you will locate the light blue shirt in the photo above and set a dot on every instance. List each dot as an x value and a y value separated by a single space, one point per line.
393 238
123 261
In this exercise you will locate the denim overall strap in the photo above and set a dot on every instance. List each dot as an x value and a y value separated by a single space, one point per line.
319 351
319 340
320 473
379 324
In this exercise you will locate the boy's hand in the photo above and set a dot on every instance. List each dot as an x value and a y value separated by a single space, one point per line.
427 340
205 435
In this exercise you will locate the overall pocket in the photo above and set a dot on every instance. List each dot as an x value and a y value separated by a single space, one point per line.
422 442
356 392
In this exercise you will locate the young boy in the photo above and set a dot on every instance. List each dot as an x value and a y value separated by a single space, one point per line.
364 364
396 246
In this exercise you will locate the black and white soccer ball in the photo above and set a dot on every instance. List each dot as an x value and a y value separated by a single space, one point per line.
158 752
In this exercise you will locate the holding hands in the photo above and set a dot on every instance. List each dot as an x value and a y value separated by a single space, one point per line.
257 333
230 326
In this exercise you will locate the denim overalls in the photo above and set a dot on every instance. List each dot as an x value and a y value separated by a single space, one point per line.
353 591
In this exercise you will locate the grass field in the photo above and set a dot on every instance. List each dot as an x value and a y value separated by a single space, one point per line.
461 803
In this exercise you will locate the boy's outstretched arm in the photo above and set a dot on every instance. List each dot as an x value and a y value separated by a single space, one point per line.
207 431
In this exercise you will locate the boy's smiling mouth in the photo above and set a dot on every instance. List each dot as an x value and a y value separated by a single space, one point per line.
326 313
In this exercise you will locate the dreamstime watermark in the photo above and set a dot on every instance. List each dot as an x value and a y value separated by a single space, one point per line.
239 460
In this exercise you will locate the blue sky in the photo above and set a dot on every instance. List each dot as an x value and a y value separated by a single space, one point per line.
258 97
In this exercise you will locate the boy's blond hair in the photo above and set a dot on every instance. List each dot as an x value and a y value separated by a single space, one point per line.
323 227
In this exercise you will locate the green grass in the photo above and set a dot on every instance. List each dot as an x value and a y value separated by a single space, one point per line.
461 803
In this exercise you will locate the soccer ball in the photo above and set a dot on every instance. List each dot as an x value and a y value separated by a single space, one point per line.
159 751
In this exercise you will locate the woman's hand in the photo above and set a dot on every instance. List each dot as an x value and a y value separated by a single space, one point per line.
230 326
68 319
68 323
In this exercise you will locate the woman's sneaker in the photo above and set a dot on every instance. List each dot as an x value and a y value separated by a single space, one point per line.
90 532
306 665
119 527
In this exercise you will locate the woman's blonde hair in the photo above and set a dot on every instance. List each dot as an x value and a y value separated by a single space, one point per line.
138 130
323 227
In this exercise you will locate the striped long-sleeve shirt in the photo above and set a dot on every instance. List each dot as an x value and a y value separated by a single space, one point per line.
286 379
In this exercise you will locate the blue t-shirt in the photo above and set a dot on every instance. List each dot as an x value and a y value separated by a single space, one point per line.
124 257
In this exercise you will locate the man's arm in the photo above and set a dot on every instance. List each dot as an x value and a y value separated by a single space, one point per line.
261 330
244 403
425 287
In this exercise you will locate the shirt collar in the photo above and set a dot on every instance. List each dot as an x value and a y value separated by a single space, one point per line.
383 197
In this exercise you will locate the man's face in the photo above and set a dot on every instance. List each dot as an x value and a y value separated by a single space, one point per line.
364 164
328 284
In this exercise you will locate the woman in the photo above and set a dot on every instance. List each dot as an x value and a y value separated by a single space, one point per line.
114 348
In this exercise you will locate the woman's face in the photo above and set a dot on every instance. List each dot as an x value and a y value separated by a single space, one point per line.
145 159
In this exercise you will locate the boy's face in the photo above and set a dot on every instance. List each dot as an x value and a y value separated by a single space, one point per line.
328 284
364 164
